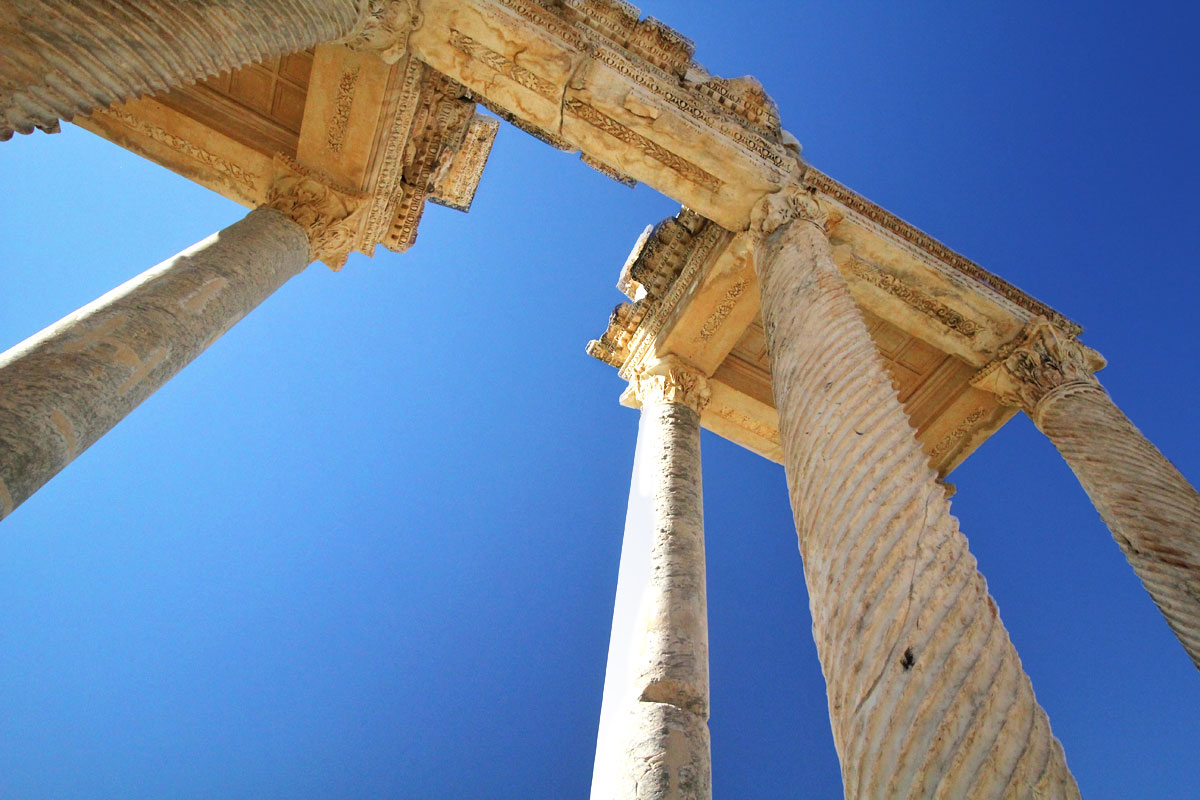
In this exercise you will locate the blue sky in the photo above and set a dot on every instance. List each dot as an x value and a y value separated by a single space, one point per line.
366 545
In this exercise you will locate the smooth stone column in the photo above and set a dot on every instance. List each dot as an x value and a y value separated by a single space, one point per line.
65 387
927 697
1150 508
653 740
59 58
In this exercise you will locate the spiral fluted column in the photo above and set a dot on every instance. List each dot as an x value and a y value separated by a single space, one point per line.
653 742
1150 508
927 696
59 58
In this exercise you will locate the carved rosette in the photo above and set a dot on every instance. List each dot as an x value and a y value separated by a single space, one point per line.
794 201
669 380
329 215
1045 365
384 26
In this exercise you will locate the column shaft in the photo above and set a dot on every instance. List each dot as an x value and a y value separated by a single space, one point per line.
653 740
1151 509
927 696
59 58
63 388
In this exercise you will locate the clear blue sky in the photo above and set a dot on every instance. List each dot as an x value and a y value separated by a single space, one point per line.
366 546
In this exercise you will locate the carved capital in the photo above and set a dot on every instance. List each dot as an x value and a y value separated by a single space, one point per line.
668 380
1044 363
328 214
792 202
384 26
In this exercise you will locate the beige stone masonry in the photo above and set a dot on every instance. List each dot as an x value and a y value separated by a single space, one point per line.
1152 511
927 696
63 388
653 742
60 58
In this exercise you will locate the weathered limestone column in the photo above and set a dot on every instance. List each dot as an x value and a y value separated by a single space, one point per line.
653 741
927 696
1151 509
59 58
64 388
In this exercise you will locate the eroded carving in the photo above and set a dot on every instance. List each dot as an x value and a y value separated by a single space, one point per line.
670 380
601 121
330 215
336 135
384 27
723 309
916 299
1042 364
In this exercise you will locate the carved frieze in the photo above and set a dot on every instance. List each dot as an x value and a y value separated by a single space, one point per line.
329 214
455 187
915 298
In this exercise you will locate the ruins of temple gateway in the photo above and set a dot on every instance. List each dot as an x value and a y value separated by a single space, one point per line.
778 309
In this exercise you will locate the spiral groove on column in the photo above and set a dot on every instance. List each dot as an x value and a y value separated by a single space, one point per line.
60 58
927 695
1151 509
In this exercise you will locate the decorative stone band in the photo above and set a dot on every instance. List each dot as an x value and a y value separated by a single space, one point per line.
59 58
1147 504
907 635
668 380
330 215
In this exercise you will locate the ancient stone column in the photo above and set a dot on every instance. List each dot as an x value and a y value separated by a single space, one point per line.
63 388
59 58
653 740
1151 509
927 696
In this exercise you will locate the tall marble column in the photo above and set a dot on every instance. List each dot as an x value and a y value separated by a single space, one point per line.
653 741
927 697
59 58
1151 509
65 387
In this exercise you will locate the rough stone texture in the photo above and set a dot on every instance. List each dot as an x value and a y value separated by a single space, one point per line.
1151 509
59 58
653 740
927 696
63 388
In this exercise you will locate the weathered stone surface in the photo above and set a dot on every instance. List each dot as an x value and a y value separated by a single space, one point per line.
59 58
927 696
63 388
653 739
1151 509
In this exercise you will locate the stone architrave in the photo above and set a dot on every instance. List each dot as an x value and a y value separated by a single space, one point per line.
653 739
927 696
60 58
1150 508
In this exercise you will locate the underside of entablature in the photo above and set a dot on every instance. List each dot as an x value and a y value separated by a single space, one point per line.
396 135
936 321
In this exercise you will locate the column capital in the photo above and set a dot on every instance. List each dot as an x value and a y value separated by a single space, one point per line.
329 214
795 201
1044 364
668 380
384 26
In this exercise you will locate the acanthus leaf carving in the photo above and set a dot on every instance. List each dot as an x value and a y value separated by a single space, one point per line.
670 380
384 27
330 215
1043 364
